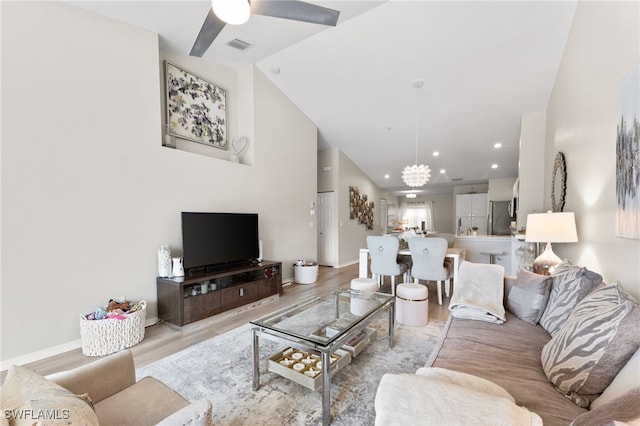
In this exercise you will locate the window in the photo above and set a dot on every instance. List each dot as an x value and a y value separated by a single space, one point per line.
417 212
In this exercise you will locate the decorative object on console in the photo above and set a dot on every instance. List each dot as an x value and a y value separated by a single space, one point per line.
416 175
558 183
164 260
196 108
550 228
239 147
360 208
628 157
526 253
178 269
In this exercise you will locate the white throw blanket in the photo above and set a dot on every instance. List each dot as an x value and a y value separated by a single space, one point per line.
437 396
479 293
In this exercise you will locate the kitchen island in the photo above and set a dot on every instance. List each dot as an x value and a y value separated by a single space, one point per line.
481 248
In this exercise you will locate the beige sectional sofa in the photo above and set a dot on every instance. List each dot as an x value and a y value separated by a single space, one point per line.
549 376
102 392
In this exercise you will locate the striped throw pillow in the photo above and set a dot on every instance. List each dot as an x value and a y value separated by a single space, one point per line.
597 340
570 284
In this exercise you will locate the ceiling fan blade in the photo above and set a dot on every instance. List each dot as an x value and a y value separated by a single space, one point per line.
210 29
296 10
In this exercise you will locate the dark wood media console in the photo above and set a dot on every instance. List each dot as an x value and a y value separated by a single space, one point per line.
183 300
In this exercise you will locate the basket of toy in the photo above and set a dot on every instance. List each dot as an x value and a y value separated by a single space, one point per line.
305 272
108 330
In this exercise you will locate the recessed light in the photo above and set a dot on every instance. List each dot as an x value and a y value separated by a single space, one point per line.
411 195
386 176
497 145
436 153
494 166
442 171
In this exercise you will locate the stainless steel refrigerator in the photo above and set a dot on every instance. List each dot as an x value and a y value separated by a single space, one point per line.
499 218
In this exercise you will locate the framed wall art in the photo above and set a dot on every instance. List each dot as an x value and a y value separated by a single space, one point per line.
360 208
196 108
628 157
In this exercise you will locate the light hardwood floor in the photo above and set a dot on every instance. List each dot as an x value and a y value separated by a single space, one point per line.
163 339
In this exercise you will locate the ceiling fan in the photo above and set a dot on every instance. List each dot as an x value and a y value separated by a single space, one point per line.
236 12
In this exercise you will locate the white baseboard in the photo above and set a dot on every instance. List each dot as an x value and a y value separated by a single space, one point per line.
41 354
54 350
352 262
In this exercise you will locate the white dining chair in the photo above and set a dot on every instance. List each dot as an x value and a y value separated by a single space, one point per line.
384 260
428 262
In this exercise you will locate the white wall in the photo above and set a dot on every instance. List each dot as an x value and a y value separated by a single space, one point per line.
531 167
351 234
501 189
328 161
581 122
88 192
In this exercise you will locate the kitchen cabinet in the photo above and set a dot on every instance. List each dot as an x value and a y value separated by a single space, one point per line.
471 210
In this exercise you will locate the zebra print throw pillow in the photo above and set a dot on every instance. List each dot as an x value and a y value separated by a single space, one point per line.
597 340
570 284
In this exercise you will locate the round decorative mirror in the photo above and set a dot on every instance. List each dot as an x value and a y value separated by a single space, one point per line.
558 183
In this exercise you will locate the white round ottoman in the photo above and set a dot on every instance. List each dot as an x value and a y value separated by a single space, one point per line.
360 306
412 304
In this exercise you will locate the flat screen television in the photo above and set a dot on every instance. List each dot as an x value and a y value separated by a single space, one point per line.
213 241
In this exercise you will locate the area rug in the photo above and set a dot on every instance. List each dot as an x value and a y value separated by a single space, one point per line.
220 369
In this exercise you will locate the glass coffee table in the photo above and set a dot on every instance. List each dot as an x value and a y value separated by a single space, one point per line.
320 326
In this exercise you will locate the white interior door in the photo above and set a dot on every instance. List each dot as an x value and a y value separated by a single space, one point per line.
326 229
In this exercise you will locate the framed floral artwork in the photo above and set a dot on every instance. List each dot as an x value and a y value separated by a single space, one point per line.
196 108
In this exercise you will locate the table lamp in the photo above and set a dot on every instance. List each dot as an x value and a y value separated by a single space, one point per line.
550 228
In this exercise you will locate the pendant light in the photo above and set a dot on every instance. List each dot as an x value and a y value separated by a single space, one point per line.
416 175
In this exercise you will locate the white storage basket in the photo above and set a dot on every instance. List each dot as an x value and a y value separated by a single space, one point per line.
305 274
106 336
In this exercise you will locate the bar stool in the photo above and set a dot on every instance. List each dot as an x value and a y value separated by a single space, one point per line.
359 305
412 304
492 255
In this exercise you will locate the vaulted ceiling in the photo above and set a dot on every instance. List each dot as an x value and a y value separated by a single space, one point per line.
483 64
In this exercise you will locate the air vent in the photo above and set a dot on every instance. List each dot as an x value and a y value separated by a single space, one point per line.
239 44
456 179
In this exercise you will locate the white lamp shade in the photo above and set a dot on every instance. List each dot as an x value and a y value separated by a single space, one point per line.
551 228
234 12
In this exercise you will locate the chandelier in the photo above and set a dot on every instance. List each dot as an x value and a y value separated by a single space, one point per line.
416 175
